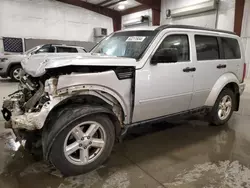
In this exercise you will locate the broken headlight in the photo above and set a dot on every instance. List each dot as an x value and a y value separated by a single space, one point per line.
50 86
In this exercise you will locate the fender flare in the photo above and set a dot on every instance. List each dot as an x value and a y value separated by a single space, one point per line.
218 86
85 89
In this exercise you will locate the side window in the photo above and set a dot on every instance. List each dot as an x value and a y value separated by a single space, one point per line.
61 49
73 50
46 49
231 48
207 47
177 43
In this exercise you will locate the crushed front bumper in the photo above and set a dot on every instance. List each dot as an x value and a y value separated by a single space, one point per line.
29 120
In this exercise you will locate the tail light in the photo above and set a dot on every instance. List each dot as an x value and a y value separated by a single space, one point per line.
244 72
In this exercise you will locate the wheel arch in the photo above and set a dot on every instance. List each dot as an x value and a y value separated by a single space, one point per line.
228 80
11 65
89 98
50 132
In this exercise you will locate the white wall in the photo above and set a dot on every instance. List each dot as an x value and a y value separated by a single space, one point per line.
245 33
1 45
49 19
207 19
132 16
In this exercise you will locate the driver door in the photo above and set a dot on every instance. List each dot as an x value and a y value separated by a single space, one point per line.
165 87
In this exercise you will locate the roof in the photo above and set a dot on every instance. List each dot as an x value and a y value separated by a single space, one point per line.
160 28
65 45
149 28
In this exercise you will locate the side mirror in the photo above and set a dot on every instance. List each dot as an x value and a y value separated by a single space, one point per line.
165 55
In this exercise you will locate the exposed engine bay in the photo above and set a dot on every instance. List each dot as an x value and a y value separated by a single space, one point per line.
29 98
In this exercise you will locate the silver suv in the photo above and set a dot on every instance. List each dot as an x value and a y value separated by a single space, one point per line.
79 106
10 65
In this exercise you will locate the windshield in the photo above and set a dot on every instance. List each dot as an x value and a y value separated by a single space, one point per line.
32 49
130 44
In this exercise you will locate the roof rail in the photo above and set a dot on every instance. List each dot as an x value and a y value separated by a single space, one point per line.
160 28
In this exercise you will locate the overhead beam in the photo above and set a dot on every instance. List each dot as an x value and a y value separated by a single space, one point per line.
95 8
114 3
154 4
135 9
238 17
104 2
117 23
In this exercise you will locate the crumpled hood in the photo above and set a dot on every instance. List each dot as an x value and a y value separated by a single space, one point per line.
36 65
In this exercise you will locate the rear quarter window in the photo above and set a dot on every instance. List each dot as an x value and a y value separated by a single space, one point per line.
231 48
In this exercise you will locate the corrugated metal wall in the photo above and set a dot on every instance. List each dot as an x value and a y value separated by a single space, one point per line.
245 33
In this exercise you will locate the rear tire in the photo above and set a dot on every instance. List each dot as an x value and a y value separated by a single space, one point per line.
14 72
76 149
223 108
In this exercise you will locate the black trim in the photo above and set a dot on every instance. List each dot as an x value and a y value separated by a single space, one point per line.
204 109
221 51
160 28
133 96
124 72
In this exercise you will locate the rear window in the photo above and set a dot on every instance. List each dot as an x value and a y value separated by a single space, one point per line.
207 47
231 48
66 50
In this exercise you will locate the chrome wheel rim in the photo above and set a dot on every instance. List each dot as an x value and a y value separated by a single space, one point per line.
16 73
84 143
225 107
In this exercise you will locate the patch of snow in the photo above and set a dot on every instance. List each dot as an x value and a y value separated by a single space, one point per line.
228 174
117 179
84 180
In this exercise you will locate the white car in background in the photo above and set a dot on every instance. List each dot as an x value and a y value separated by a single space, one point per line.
10 65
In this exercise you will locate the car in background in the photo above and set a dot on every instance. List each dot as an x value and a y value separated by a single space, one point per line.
10 65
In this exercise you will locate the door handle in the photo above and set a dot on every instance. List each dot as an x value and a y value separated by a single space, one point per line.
189 69
221 66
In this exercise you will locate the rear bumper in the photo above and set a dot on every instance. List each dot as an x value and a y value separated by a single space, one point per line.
242 87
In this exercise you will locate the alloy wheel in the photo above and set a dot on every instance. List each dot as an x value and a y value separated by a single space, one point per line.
225 107
84 143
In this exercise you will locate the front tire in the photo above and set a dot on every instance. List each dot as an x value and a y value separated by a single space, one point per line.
223 107
84 144
15 73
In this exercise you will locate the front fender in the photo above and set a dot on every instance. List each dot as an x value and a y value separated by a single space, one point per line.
37 120
219 85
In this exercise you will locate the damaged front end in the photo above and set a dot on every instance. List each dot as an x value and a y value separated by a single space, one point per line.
71 81
27 107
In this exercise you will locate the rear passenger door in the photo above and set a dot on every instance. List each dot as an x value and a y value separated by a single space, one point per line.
209 67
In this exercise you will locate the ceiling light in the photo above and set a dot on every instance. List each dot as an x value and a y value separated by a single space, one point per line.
121 7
